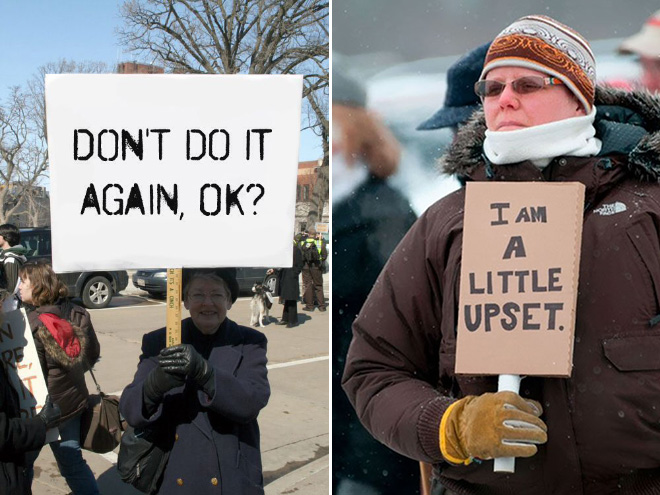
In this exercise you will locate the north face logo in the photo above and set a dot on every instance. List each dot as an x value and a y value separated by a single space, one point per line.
611 209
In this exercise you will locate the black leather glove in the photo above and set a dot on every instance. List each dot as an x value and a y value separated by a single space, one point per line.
50 414
184 360
158 382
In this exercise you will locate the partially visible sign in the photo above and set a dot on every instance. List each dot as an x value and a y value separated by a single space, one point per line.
322 227
21 363
519 278
172 170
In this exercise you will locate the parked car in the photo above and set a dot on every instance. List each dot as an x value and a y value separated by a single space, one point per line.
96 289
155 281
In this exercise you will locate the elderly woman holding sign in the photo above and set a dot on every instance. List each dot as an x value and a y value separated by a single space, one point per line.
597 431
204 395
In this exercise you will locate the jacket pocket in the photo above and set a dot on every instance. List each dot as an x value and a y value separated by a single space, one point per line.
634 353
643 236
634 388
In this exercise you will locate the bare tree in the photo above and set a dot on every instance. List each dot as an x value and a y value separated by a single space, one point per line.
23 151
232 37
229 37
318 105
23 147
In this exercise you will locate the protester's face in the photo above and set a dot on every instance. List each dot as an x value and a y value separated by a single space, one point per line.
650 73
509 110
25 290
208 302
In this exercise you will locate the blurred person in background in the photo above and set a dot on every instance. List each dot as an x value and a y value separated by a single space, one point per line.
646 45
596 432
460 98
12 258
368 220
314 253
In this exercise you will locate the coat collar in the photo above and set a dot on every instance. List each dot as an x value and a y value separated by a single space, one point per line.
628 123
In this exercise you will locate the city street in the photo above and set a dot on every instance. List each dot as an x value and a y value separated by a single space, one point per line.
294 425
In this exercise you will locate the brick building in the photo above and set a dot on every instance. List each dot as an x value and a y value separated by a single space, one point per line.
309 174
135 68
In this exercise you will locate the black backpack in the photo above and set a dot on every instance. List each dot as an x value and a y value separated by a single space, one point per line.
310 253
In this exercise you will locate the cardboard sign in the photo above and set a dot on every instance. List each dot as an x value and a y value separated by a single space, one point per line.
519 278
172 170
22 367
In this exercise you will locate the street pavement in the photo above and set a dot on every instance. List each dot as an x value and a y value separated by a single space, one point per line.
295 440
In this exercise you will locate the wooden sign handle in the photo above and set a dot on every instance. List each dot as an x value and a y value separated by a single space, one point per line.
173 306
425 470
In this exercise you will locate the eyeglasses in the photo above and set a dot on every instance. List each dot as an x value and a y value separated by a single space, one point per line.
522 85
198 297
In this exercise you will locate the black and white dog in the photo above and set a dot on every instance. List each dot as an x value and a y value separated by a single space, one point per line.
260 304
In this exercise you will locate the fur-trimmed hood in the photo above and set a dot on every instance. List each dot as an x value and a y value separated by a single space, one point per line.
626 122
58 354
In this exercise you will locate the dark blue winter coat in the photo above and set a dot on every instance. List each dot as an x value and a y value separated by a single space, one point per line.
216 448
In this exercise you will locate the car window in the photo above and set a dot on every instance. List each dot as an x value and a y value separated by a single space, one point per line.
36 242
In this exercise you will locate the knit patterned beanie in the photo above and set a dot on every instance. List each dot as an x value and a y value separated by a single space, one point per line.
540 43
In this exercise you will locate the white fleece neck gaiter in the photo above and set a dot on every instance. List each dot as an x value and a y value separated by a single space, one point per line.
540 144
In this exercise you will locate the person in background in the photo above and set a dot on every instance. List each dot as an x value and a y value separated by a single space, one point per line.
460 98
362 137
596 432
20 438
646 44
67 347
314 252
204 395
12 257
369 218
288 287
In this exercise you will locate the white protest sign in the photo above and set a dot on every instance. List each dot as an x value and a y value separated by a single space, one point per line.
21 363
172 170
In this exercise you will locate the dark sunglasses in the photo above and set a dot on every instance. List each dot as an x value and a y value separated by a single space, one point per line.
522 85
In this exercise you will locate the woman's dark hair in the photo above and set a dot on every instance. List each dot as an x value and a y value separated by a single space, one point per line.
47 288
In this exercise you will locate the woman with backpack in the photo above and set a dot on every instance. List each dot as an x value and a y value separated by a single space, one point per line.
67 347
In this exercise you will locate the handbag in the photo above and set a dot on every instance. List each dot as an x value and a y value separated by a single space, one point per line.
100 424
143 455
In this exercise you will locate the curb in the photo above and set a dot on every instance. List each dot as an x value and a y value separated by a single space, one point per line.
287 482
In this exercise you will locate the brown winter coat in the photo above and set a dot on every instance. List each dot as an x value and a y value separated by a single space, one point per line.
604 421
65 376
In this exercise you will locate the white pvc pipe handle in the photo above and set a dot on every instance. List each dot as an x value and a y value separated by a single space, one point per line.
507 383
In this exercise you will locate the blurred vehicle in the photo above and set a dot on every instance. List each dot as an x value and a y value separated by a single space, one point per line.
406 94
96 289
154 281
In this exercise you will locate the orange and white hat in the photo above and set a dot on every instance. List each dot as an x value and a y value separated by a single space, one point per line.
541 43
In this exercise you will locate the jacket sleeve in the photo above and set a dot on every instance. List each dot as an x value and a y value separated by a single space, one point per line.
324 251
11 268
131 402
392 373
93 349
241 381
19 435
298 261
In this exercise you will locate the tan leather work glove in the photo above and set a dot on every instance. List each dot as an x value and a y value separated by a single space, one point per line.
491 425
